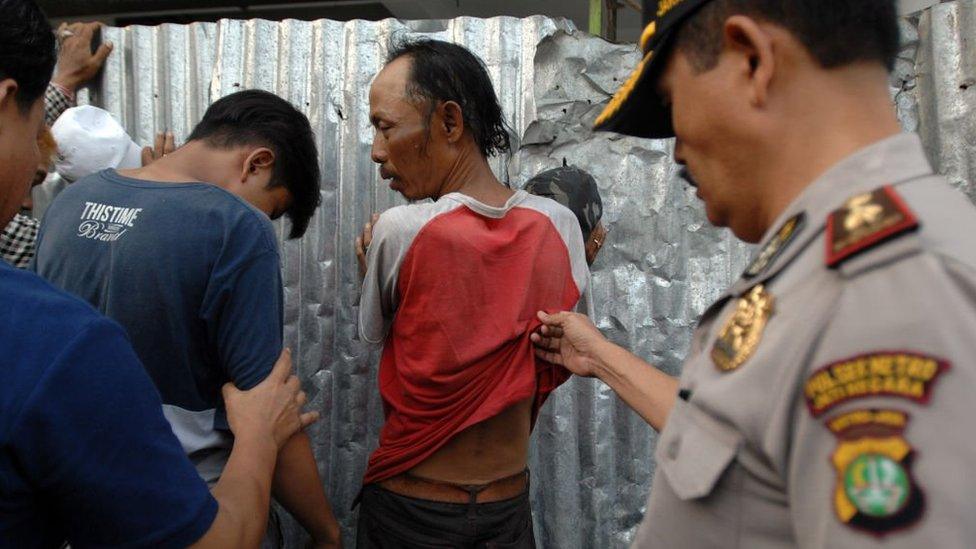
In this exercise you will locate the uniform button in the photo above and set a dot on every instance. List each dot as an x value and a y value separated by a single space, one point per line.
674 447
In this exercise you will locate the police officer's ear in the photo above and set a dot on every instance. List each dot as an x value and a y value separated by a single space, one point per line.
752 49
451 120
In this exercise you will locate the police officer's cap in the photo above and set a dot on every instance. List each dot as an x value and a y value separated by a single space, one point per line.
636 109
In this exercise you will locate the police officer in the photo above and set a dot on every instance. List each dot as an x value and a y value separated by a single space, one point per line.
826 397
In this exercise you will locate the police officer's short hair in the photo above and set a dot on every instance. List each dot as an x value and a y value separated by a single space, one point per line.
836 32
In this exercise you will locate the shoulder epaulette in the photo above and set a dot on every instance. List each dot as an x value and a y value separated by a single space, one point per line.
865 221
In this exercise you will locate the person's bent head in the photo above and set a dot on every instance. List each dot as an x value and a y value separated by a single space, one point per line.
271 150
27 58
760 93
433 107
577 191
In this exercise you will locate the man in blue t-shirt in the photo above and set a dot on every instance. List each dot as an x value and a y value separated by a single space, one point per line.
183 255
86 455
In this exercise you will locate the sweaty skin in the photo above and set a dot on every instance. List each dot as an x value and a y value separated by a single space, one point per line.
495 448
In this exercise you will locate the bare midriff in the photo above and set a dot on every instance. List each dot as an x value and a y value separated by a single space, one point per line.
493 449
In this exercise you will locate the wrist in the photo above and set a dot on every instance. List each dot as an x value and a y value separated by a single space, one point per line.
602 358
260 442
66 85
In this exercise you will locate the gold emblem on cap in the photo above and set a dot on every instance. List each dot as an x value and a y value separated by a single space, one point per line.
742 331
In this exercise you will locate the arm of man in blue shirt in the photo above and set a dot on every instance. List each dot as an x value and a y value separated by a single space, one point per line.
249 325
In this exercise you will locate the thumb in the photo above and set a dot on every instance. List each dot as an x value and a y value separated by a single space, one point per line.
101 54
555 319
282 368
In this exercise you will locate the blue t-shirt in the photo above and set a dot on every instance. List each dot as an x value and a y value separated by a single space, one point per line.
193 275
85 453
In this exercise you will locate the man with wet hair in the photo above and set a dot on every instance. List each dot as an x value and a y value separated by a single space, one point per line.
826 397
450 290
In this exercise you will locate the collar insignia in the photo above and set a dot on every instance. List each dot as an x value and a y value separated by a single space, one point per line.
776 245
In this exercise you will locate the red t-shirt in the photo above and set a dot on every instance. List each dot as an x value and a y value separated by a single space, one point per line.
452 289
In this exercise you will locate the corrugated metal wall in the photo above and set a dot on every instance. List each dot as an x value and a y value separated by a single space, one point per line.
661 267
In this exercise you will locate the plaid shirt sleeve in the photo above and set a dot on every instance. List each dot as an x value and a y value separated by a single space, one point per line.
56 101
18 240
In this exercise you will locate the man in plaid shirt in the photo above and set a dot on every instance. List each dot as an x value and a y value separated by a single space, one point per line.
76 66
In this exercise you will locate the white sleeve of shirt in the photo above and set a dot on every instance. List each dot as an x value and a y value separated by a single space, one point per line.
377 303
393 235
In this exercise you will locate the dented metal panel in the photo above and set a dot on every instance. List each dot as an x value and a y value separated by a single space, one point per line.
662 264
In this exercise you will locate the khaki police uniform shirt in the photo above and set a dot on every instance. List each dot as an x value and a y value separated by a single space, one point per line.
845 415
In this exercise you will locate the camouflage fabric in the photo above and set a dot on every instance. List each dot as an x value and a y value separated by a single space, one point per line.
573 188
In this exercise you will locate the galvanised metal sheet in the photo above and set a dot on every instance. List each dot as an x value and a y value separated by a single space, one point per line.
661 266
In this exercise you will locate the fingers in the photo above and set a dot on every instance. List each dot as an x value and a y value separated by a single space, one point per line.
169 144
158 145
555 319
308 418
102 53
368 230
551 331
282 367
86 31
147 155
300 399
546 343
552 358
293 384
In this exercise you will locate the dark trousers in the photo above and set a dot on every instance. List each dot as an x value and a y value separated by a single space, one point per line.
391 521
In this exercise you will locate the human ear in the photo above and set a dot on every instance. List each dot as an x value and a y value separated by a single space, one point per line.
452 119
258 160
743 37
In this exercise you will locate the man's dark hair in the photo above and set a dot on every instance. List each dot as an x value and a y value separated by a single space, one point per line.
255 117
442 71
836 32
27 49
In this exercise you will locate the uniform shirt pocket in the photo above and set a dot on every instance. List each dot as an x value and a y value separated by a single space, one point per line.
695 449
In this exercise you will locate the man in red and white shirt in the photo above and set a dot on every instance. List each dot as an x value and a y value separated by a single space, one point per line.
451 289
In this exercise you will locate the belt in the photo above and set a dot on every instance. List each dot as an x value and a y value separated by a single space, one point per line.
406 484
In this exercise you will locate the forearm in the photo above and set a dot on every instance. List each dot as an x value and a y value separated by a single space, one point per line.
243 494
298 488
649 391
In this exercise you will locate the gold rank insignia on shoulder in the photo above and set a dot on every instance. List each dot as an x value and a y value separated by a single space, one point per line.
874 491
775 246
742 331
864 221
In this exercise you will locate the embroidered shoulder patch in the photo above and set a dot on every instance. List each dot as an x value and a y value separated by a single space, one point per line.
776 245
874 488
864 221
900 374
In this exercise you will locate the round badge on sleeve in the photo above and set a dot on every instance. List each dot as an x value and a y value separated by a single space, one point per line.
875 491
